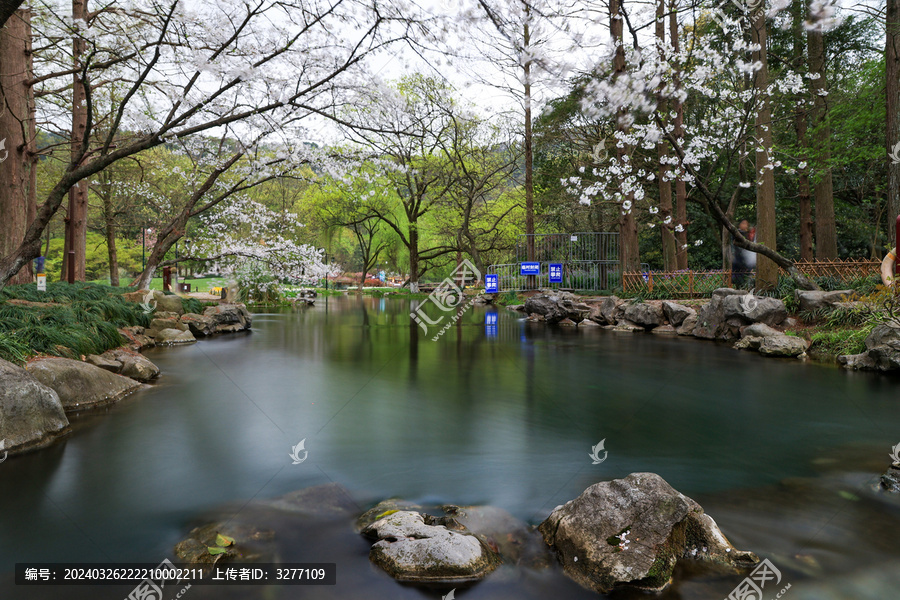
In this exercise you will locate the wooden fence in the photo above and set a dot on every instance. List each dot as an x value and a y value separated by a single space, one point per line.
701 283
676 283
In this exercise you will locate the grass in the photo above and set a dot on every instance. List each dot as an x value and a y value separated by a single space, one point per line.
837 342
73 320
203 284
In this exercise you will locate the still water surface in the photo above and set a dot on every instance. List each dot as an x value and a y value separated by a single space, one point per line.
780 453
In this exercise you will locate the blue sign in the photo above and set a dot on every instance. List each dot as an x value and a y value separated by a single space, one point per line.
555 273
490 324
530 268
491 284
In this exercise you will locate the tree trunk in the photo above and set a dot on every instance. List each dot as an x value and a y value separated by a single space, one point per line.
892 87
17 124
413 257
76 230
766 269
529 153
800 127
826 236
111 238
669 243
681 250
629 256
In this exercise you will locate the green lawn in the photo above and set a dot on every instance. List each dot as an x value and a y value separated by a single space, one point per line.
197 285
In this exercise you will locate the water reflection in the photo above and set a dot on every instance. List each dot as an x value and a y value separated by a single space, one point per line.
497 411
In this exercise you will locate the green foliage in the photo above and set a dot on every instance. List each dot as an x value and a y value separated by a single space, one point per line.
192 305
508 298
840 341
67 320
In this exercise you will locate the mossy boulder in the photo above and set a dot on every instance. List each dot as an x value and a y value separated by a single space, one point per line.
632 532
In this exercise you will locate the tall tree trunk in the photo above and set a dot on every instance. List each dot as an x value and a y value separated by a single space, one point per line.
414 257
110 218
892 87
826 236
766 269
76 230
665 186
17 125
529 151
681 249
800 128
629 256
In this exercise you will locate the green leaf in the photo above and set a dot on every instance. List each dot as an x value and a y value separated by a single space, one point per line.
224 540
214 550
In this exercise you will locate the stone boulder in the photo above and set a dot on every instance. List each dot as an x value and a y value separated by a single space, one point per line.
632 532
555 307
31 414
645 314
168 303
415 547
612 309
157 325
752 336
676 313
106 363
80 385
137 338
199 325
688 325
783 345
567 323
229 317
816 300
728 311
588 323
170 337
664 330
882 350
133 365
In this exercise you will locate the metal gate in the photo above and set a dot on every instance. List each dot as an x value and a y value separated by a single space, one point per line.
590 261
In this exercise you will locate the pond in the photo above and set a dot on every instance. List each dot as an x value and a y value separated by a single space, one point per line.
781 453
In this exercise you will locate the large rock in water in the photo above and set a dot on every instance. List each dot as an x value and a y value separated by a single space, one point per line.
555 307
729 310
676 313
633 531
645 314
411 549
31 415
80 385
229 317
200 325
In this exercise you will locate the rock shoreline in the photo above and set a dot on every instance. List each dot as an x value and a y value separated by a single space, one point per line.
751 322
35 400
